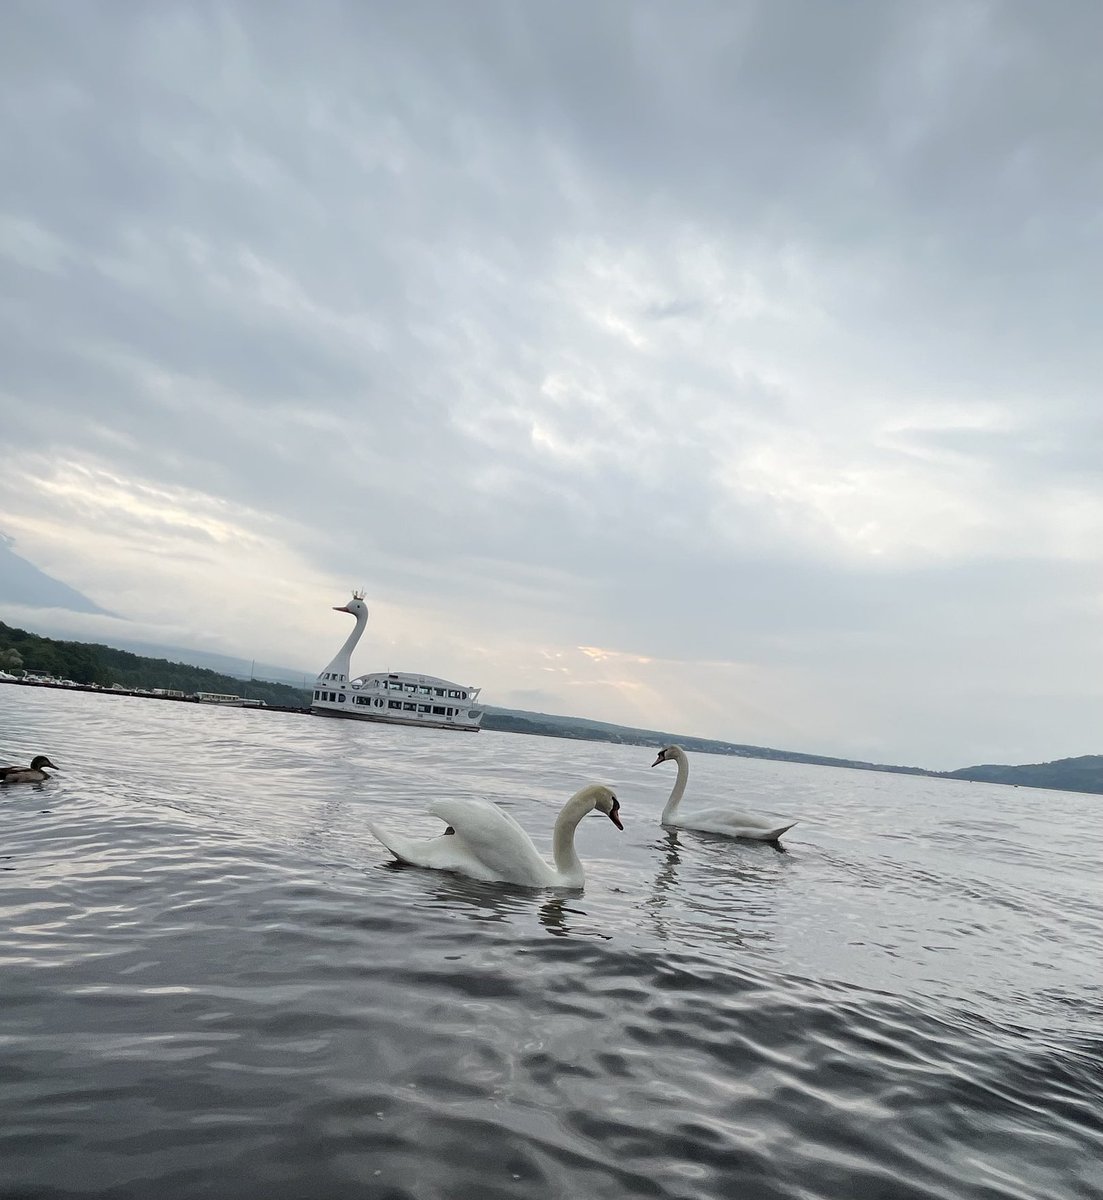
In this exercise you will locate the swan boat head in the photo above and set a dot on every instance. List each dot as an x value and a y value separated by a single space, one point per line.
355 606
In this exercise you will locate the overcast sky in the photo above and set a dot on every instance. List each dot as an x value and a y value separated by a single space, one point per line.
729 368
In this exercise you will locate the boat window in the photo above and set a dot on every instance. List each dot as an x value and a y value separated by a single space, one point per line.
453 695
463 695
315 693
438 710
451 711
407 707
394 703
424 691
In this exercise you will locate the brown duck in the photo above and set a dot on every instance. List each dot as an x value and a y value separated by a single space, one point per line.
32 774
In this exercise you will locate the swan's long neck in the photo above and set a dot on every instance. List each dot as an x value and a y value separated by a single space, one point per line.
341 660
678 790
567 862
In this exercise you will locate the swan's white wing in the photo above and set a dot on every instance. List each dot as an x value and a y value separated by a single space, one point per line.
473 811
734 824
492 842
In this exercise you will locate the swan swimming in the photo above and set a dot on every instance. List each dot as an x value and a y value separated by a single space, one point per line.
485 842
712 820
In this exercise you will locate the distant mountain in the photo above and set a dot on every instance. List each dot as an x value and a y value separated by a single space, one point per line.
225 664
23 583
1083 774
547 725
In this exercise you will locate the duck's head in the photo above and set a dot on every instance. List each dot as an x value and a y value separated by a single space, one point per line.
605 801
39 761
666 754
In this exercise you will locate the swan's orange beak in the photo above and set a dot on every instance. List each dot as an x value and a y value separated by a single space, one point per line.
614 816
658 760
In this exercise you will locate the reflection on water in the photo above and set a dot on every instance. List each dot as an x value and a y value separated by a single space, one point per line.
215 981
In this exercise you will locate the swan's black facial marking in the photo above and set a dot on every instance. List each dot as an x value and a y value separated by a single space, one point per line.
661 758
448 831
614 814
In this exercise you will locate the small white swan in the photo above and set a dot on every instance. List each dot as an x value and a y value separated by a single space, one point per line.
713 820
485 842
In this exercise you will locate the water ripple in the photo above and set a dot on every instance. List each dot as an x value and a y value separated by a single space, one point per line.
216 983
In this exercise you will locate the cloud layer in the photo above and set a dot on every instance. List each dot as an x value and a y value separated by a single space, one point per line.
749 348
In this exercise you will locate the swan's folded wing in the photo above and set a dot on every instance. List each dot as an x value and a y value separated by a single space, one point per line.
737 824
477 820
493 837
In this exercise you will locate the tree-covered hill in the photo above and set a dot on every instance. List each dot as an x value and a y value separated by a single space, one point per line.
88 663
1083 774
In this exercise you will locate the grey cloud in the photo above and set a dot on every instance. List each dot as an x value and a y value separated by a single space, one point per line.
328 264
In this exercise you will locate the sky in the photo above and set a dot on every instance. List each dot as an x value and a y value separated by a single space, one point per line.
728 368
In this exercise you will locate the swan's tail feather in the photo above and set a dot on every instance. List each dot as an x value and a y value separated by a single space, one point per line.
395 843
774 835
443 853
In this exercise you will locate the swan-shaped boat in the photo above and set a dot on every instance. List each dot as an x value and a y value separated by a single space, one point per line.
32 774
391 697
484 842
725 821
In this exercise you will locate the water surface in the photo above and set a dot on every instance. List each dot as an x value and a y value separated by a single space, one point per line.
214 982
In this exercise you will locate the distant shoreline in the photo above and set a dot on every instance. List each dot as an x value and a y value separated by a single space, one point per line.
1083 774
139 694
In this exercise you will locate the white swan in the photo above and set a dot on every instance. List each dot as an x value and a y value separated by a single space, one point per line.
485 842
713 820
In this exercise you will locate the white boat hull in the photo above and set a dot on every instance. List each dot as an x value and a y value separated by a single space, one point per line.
383 719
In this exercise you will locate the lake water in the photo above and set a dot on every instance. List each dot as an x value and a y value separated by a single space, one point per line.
215 982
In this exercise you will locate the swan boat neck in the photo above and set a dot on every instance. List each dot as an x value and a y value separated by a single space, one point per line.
391 697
